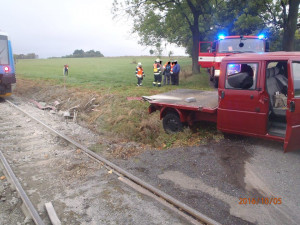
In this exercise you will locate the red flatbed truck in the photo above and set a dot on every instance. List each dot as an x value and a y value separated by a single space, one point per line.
258 95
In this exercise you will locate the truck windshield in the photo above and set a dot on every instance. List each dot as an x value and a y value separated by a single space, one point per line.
236 45
3 50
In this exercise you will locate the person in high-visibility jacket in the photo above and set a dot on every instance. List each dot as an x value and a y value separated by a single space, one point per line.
157 73
172 74
139 73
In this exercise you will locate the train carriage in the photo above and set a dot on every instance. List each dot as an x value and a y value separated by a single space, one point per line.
7 66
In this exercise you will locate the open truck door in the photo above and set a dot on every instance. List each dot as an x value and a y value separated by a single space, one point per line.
292 137
241 108
206 55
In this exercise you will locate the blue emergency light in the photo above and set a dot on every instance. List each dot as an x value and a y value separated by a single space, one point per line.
261 36
221 36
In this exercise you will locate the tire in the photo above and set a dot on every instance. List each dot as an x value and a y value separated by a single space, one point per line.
172 123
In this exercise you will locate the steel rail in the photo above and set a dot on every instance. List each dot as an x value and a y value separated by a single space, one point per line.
182 206
14 180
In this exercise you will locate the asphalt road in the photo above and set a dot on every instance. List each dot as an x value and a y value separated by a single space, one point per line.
213 177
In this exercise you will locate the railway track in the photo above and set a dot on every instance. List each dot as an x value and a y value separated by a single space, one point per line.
28 208
188 213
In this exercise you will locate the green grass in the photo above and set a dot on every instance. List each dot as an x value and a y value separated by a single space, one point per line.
114 79
116 73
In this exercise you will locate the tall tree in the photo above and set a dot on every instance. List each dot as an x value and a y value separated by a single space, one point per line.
289 23
186 22
183 22
278 18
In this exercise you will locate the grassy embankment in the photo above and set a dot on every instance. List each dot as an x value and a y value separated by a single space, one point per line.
110 81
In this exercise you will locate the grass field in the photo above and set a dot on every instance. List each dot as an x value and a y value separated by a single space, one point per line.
113 79
116 73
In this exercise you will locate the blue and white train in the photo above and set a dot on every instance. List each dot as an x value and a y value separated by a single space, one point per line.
7 66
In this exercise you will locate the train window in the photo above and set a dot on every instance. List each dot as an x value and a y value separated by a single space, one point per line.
4 60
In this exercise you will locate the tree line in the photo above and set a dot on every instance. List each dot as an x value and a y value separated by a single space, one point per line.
186 22
26 56
79 53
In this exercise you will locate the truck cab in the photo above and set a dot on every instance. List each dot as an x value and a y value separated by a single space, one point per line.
259 95
212 53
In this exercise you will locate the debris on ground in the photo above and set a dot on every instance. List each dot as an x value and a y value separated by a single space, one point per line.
134 98
67 114
43 105
90 101
56 103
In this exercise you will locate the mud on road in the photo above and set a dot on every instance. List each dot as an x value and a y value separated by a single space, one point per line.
212 178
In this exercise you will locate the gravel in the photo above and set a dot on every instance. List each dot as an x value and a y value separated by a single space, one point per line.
49 169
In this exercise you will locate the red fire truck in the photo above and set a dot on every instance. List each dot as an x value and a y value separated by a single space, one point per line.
258 95
212 53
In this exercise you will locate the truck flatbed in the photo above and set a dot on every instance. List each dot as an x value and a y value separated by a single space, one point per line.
187 98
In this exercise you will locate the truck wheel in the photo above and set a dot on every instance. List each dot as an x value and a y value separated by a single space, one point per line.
172 123
216 82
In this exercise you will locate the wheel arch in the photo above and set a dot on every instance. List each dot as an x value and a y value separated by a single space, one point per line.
165 110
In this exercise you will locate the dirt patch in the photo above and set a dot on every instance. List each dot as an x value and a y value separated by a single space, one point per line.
232 158
91 109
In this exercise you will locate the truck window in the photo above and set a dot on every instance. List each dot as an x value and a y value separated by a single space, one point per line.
205 46
214 47
236 45
296 77
241 76
3 50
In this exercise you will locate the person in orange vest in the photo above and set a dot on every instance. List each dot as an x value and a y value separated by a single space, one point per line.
172 74
139 73
157 73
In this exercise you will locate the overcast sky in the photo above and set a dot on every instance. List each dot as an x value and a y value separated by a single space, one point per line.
58 27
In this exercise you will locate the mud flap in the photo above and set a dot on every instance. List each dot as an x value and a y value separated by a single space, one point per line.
292 141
